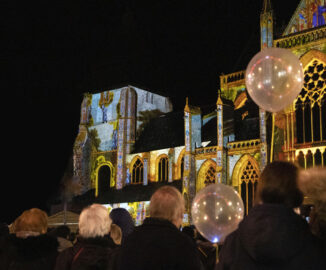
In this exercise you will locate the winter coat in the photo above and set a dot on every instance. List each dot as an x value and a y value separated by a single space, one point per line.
88 254
31 253
158 244
272 236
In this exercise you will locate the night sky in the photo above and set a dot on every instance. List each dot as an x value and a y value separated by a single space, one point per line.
54 51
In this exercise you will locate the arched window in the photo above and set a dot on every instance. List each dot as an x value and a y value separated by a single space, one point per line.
163 169
137 175
309 159
318 158
300 159
248 184
310 104
210 176
182 167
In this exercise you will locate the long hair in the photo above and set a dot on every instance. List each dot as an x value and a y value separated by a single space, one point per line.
278 185
94 221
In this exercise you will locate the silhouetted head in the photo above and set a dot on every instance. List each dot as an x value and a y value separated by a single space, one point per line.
167 203
312 182
94 221
278 185
32 221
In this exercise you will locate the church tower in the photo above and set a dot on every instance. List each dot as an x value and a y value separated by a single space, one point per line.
126 132
266 41
266 25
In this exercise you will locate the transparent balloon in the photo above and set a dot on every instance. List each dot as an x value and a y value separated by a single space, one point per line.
216 211
274 78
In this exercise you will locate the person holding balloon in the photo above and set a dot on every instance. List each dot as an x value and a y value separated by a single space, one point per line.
273 235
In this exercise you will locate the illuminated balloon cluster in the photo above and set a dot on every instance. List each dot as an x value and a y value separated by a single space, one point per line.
274 78
216 211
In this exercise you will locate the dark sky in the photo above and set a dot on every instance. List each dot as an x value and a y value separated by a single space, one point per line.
53 51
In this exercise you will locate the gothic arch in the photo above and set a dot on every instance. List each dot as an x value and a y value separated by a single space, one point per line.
245 179
131 168
310 105
206 170
240 166
100 163
162 172
307 58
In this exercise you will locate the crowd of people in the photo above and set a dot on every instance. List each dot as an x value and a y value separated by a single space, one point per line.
274 235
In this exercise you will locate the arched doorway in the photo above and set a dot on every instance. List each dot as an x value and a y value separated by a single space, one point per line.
104 177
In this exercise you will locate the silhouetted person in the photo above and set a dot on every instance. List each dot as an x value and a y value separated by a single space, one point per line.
312 182
273 235
205 249
93 249
62 233
158 243
29 247
4 235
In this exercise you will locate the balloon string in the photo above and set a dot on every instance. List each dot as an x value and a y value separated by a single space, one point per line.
217 259
272 142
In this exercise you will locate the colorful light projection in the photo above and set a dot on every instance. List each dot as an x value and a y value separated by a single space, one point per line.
138 210
104 115
310 14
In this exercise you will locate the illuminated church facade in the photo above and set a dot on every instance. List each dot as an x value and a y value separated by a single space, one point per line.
131 141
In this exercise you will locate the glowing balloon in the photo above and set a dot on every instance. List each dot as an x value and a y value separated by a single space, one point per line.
216 211
274 78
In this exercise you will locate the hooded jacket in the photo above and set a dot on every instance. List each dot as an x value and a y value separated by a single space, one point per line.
272 236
